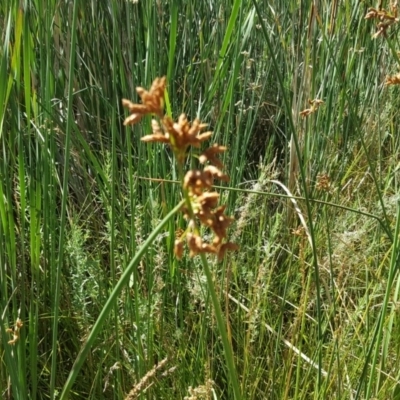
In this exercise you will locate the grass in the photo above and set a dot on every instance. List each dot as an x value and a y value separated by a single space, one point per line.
88 213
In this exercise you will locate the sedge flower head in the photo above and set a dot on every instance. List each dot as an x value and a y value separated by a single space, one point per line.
201 202
152 102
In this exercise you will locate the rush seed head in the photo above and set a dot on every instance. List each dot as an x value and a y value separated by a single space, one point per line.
201 203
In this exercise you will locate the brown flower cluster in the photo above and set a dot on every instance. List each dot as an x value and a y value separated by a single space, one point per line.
204 207
392 80
179 135
315 104
152 102
385 18
323 182
202 203
15 332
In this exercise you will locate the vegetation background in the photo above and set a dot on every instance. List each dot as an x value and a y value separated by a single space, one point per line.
311 304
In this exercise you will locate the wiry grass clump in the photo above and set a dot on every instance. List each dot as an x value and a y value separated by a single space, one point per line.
100 297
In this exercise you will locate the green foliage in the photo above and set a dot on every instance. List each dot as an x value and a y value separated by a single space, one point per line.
309 303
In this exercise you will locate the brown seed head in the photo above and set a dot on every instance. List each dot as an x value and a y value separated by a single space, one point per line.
216 173
393 80
178 249
210 155
180 135
152 102
158 134
229 246
197 181
197 246
315 104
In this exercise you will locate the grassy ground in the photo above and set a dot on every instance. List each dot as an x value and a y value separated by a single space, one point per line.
310 302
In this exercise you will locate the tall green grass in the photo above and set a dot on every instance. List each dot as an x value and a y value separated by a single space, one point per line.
310 303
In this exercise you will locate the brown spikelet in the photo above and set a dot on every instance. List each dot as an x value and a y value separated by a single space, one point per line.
152 102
